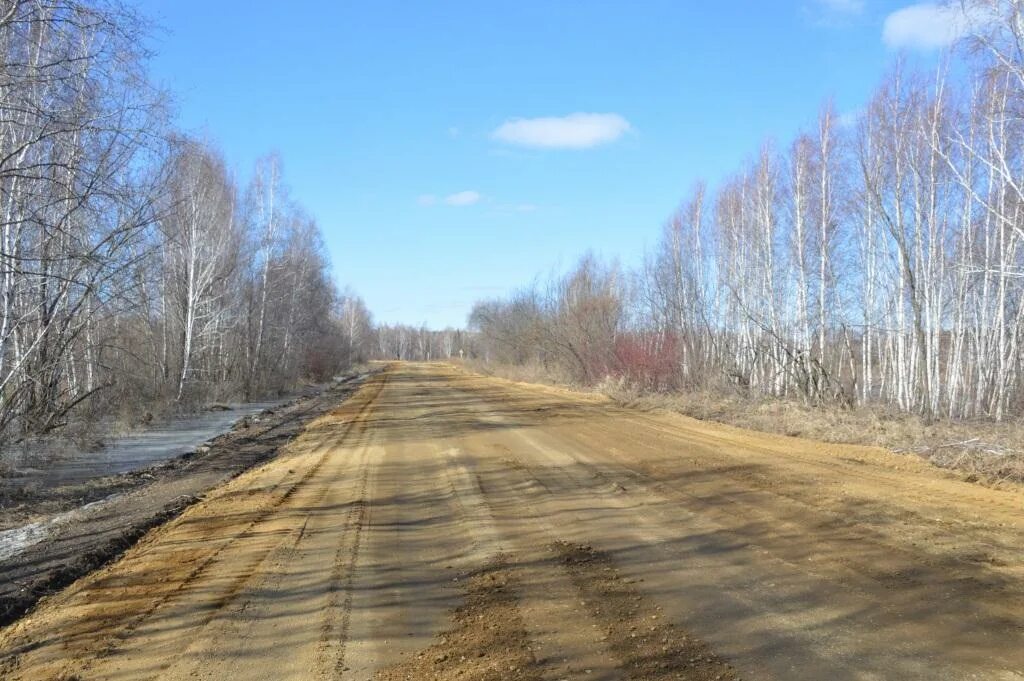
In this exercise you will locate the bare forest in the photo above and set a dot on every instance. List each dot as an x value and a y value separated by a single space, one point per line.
137 274
875 259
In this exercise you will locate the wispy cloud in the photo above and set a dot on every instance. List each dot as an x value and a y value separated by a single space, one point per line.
928 26
470 197
466 198
574 131
463 198
842 6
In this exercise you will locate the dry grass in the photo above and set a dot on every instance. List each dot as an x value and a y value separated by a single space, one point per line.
985 451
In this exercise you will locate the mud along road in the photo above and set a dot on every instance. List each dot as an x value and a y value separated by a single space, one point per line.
450 526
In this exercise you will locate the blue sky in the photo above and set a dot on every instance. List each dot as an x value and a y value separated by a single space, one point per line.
408 128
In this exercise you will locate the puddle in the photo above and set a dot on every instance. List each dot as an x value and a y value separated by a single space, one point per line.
126 453
121 454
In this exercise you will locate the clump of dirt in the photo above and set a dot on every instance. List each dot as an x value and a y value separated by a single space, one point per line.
486 642
649 648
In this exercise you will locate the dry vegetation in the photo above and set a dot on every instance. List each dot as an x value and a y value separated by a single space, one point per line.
137 276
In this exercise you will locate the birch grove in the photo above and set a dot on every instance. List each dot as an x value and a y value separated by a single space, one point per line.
877 259
135 276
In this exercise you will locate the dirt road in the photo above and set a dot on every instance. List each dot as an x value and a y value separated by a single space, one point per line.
448 526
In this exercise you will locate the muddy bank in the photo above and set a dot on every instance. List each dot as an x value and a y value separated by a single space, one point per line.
78 527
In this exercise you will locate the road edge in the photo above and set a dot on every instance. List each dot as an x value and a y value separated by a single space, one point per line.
30 595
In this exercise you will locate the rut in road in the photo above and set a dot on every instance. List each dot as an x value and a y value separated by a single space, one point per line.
444 525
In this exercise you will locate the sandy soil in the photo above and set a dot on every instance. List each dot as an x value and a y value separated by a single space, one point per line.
440 525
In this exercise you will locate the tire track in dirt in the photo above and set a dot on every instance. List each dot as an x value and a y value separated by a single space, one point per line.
682 431
600 434
563 638
338 613
491 635
250 568
258 570
257 615
665 529
426 534
901 542
566 469
711 446
599 604
552 478
893 475
566 634
467 496
77 642
885 561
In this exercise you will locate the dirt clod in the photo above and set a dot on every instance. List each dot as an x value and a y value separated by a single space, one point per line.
487 640
648 653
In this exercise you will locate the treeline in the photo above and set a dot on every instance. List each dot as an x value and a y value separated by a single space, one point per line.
875 260
420 344
135 272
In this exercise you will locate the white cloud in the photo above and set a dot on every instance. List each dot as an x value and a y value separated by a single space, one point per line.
927 26
575 131
843 6
466 198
